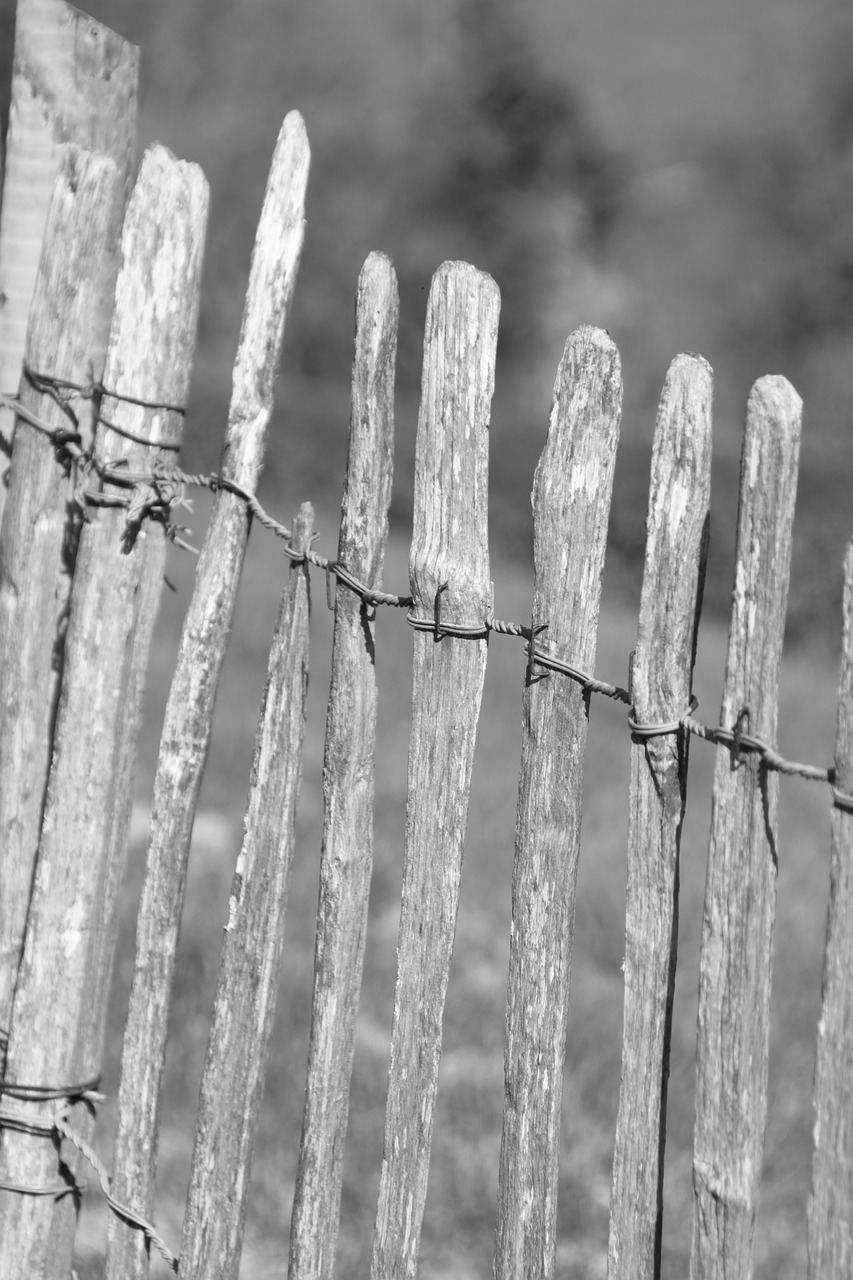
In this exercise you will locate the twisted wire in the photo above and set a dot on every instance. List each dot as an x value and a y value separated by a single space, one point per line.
156 492
58 1125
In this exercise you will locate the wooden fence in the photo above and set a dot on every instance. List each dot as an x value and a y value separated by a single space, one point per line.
92 487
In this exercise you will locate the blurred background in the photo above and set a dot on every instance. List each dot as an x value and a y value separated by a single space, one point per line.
680 174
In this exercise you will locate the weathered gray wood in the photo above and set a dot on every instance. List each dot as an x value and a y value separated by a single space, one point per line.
232 1084
740 889
449 546
73 81
187 725
830 1210
60 1000
348 781
676 540
73 293
571 504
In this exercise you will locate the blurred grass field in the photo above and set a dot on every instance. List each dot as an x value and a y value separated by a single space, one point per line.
717 121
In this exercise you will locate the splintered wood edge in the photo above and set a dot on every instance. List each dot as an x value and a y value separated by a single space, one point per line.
450 526
371 443
250 960
348 781
828 1230
155 251
84 212
679 501
272 276
572 492
771 448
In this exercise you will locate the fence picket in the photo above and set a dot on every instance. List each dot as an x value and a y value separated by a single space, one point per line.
233 1079
348 780
60 1000
740 889
187 723
73 293
830 1210
73 81
571 504
662 678
449 576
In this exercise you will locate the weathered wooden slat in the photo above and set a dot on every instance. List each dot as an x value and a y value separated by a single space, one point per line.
571 504
60 1000
830 1211
73 81
187 725
73 292
662 679
740 889
449 563
237 1048
348 780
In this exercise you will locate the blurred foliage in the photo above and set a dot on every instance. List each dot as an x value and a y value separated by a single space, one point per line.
448 129
505 152
794 181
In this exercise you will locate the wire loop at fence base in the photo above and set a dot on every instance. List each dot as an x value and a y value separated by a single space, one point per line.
57 1126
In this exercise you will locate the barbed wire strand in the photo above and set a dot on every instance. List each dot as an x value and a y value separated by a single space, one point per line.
156 492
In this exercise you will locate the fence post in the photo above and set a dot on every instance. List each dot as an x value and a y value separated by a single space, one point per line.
662 671
237 1048
348 781
73 289
740 889
73 81
571 504
830 1210
187 724
449 576
59 1008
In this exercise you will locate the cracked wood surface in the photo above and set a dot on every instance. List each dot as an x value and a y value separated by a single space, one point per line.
830 1208
571 504
449 545
662 680
250 961
57 1026
348 780
185 737
74 82
740 890
73 297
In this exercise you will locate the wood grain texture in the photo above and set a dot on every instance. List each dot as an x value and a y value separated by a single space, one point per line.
187 724
60 1000
740 889
73 82
73 292
676 542
250 962
571 504
830 1209
348 780
449 545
